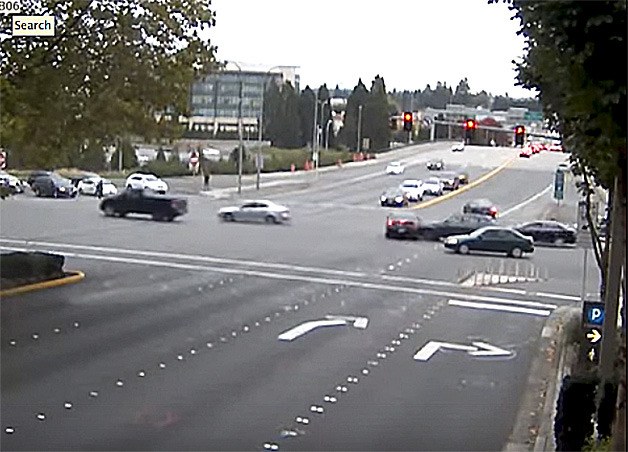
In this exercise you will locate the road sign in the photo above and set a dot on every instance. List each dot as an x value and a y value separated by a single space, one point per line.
559 185
475 349
593 335
3 159
259 161
592 314
330 320
533 116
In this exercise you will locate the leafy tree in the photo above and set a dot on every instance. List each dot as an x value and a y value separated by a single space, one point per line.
348 134
576 59
462 95
273 112
110 68
376 124
306 114
290 136
129 158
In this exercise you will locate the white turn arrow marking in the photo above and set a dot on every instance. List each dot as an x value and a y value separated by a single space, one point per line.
358 322
476 349
330 320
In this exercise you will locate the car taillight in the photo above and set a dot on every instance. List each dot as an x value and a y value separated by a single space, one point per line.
389 222
493 211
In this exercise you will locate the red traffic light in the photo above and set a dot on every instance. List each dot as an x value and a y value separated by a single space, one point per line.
519 130
470 124
407 117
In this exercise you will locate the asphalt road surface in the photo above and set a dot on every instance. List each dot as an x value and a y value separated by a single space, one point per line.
317 335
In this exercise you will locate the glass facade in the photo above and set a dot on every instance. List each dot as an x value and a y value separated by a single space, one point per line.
216 96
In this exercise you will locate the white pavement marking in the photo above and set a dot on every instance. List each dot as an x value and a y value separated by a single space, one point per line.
557 296
527 201
358 322
267 265
500 307
306 327
476 349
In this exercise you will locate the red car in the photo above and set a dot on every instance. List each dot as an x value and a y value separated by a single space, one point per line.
402 225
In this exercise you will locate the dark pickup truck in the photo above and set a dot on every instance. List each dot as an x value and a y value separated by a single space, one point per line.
160 207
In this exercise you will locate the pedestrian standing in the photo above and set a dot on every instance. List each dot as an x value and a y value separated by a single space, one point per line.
99 189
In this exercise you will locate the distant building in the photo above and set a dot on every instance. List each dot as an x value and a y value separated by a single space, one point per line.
215 99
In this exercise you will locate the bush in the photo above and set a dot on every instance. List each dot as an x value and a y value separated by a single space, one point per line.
575 409
163 168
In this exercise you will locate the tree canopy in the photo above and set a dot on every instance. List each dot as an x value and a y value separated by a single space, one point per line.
110 69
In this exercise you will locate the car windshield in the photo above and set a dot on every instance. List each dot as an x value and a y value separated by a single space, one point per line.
151 178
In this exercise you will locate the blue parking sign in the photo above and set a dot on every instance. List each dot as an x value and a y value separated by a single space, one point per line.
593 313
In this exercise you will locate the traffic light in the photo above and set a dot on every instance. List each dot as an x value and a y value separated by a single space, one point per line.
407 121
520 135
469 129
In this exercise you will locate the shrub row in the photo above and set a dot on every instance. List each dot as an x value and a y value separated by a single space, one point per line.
18 268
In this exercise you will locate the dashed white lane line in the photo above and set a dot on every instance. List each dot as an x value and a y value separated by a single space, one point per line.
527 201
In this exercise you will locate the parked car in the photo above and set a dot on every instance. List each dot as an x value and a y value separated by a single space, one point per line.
14 184
394 197
53 186
402 224
481 206
143 181
395 168
146 202
463 177
491 239
450 180
88 186
36 174
544 231
457 147
455 224
256 210
437 165
414 189
433 186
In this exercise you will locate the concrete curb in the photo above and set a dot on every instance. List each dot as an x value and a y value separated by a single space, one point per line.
533 429
70 278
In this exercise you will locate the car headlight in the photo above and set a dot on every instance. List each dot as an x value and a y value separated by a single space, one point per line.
398 198
451 241
62 189
382 198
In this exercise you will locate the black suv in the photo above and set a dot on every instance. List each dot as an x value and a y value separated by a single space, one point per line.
53 186
481 206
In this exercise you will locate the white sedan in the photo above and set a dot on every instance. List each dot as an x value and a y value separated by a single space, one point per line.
88 186
144 181
457 147
413 188
433 186
12 181
260 210
395 168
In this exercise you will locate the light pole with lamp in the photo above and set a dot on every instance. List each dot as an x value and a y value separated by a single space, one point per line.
329 123
260 128
240 146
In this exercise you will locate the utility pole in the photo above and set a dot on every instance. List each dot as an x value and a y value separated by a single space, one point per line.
259 139
314 129
240 148
359 147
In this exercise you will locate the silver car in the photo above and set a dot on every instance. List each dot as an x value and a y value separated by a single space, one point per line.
260 210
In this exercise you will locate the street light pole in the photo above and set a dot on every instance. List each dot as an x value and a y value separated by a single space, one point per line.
314 130
359 147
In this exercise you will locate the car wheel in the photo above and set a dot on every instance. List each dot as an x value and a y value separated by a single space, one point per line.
559 241
36 192
271 219
109 211
129 187
516 252
463 249
227 217
387 235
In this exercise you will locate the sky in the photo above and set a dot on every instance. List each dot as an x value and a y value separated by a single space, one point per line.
409 43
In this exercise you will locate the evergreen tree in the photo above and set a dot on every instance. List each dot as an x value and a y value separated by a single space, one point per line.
375 116
349 133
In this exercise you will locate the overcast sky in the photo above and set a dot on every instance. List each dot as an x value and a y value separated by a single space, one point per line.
410 43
